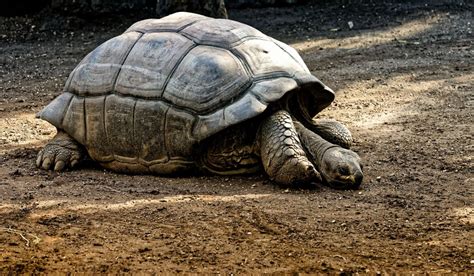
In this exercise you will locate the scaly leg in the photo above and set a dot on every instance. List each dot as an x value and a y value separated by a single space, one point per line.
61 152
283 157
332 131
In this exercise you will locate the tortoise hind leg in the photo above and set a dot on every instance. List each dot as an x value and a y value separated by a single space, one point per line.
283 157
61 152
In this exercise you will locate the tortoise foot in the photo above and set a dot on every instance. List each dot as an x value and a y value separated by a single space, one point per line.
283 156
60 153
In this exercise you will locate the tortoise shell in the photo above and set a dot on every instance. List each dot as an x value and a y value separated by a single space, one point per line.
149 95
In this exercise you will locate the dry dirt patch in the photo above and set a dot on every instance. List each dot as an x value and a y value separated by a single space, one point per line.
403 75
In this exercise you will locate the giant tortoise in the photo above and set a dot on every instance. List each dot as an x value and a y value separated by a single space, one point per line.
191 94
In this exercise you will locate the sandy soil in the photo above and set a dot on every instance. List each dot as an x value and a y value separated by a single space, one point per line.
404 76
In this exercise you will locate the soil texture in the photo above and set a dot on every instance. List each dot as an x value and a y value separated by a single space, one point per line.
403 73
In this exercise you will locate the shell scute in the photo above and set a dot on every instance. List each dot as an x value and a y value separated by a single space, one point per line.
98 71
206 79
220 32
150 63
145 98
265 57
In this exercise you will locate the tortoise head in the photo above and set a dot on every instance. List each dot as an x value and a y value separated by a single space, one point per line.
341 168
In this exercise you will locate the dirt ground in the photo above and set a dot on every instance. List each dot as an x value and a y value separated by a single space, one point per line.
404 80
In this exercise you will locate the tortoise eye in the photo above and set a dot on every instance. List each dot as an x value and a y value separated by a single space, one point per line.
343 170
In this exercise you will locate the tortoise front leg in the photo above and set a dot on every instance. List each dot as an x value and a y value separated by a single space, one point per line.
332 131
61 152
283 157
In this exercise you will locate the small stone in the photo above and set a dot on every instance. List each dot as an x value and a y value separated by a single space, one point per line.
378 178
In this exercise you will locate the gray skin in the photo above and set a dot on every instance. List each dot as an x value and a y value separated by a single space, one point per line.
186 94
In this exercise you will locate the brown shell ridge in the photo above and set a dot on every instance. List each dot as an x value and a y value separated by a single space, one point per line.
223 45
240 94
275 74
253 79
161 30
182 108
242 61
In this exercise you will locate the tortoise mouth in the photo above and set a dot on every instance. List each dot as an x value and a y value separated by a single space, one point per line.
342 185
337 179
345 182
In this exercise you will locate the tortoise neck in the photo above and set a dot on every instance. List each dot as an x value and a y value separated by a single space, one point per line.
314 144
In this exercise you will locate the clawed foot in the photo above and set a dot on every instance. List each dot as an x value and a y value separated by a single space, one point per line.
60 153
283 156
